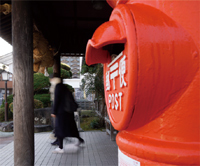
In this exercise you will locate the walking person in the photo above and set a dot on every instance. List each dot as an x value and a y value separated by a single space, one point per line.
53 82
65 125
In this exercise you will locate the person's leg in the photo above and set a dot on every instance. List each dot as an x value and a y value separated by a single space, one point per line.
60 142
54 124
60 148
80 141
55 142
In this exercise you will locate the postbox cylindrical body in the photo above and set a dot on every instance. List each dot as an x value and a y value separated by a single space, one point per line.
152 86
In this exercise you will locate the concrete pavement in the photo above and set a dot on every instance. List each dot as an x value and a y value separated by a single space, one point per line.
98 150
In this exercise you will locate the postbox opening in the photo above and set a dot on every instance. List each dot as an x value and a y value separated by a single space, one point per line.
114 49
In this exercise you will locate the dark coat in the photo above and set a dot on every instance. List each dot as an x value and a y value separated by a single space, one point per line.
65 124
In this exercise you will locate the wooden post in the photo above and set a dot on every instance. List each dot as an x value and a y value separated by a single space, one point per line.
22 39
56 66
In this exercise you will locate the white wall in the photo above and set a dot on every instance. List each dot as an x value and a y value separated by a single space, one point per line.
11 68
75 83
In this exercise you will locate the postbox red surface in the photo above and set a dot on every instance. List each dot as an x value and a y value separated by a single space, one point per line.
152 86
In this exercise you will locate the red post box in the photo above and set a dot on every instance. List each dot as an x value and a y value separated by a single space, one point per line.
152 86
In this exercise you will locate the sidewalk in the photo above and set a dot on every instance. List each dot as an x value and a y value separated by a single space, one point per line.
99 150
6 134
5 138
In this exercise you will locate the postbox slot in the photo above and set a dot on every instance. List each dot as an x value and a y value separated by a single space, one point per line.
114 49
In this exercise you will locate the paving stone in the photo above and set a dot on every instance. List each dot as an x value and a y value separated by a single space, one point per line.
98 150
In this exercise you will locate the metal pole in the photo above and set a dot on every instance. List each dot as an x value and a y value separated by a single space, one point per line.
6 104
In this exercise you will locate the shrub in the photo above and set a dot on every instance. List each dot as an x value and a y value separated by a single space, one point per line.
95 124
63 73
2 114
87 113
65 66
40 82
43 91
9 100
11 107
37 104
45 98
70 88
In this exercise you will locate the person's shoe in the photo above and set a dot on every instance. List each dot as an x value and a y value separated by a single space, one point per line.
55 142
80 141
58 150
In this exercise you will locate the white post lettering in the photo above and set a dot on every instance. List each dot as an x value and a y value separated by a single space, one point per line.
116 102
122 71
109 99
120 101
107 80
114 74
113 98
114 67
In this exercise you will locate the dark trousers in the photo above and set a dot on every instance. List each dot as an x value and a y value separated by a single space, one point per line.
60 142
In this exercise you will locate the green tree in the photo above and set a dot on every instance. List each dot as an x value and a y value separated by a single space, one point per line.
93 83
41 87
65 66
41 82
93 80
44 98
9 100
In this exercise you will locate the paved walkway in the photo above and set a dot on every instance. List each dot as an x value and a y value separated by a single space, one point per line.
5 138
99 150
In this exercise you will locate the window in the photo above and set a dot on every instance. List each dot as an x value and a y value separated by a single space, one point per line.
10 77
